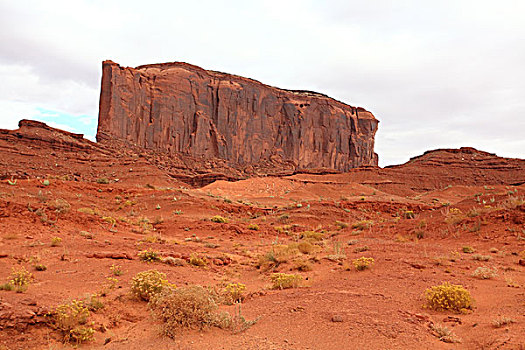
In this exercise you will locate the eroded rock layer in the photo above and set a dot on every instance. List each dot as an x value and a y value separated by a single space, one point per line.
182 109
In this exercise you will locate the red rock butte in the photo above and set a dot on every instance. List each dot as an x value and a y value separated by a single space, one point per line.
182 109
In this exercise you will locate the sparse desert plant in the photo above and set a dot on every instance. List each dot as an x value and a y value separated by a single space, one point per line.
303 266
169 260
472 213
61 206
147 284
362 225
467 249
443 333
234 293
20 279
253 227
219 219
502 321
56 241
7 287
341 225
361 249
285 280
149 256
103 181
312 235
116 270
485 273
447 296
185 307
279 254
409 214
93 302
339 252
197 260
305 247
88 211
363 263
71 320
480 257
40 267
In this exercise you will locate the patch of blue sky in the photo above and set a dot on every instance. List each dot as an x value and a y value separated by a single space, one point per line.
81 124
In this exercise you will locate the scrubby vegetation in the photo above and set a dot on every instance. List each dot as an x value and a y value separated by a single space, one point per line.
72 321
149 283
285 280
363 263
448 297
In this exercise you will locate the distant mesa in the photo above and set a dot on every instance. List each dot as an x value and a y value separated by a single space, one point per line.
184 110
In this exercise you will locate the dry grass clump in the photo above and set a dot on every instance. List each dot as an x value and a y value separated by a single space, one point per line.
305 247
480 257
303 266
197 260
311 235
186 307
362 225
485 273
279 254
219 219
169 260
448 297
444 333
71 320
363 263
149 283
502 321
285 280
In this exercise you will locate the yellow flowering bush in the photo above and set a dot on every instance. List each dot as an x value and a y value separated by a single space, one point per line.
147 284
448 296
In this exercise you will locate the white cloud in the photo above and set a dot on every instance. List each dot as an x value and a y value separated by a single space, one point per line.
436 74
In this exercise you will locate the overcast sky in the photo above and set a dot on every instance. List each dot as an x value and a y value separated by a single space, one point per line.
435 73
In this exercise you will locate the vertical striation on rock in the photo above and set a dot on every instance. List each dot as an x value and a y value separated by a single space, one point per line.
179 108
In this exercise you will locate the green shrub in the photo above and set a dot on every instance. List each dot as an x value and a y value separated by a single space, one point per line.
285 281
448 297
149 283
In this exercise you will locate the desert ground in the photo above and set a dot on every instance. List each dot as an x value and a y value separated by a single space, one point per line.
78 222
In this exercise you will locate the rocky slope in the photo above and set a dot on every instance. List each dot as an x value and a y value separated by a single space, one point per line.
183 109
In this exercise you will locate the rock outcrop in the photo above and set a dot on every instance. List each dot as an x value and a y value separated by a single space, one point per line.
181 109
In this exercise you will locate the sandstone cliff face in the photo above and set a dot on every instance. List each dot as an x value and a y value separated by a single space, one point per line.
182 109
